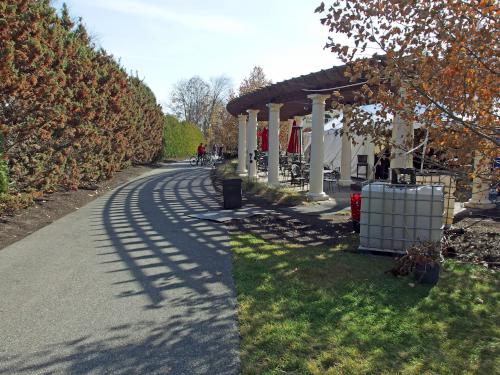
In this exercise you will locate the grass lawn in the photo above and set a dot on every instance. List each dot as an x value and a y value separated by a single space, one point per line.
313 310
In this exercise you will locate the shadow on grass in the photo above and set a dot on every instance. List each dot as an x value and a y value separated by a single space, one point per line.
317 310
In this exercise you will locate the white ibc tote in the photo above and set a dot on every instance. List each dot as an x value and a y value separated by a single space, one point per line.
394 217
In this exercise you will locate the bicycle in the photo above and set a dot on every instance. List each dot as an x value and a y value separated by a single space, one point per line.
205 161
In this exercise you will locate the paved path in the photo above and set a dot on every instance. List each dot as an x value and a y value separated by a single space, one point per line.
126 285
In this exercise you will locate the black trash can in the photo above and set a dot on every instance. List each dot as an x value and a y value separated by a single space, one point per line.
231 191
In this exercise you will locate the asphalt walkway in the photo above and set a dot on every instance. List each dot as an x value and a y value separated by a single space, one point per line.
128 284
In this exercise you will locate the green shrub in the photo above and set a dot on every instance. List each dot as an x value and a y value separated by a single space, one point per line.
180 139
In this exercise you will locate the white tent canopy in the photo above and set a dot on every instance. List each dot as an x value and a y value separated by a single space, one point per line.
333 147
333 144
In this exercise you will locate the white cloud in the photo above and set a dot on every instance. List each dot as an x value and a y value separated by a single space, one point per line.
208 22
297 60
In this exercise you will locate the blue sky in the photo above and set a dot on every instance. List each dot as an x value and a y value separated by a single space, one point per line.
169 40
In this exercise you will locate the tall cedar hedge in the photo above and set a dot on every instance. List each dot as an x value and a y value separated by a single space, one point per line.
69 114
4 177
180 138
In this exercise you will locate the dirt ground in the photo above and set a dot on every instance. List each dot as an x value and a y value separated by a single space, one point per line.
297 229
54 206
300 230
283 227
473 239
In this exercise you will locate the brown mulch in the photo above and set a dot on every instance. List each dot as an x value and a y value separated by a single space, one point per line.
281 226
51 207
284 227
474 240
297 230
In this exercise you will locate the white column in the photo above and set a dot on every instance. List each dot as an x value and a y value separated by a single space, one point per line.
242 144
480 188
252 142
402 141
274 144
247 148
370 150
345 155
316 192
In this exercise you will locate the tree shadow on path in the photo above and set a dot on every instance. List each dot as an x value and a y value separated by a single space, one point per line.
172 273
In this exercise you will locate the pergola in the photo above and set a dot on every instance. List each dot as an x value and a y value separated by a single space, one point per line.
294 94
294 99
311 94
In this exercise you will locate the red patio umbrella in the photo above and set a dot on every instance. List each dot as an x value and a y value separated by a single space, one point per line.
265 140
294 143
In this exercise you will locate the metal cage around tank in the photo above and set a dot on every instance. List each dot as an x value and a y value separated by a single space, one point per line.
397 216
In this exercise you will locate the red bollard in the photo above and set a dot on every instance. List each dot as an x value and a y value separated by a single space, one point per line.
355 210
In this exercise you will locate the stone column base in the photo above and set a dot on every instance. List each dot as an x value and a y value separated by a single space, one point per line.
316 197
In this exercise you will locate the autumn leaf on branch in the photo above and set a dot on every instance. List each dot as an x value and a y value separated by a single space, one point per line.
443 54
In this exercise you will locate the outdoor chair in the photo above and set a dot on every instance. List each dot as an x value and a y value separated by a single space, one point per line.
262 163
283 161
330 179
298 177
287 173
285 167
363 163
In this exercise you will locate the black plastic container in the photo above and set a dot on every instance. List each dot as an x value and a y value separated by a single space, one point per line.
427 273
231 191
403 176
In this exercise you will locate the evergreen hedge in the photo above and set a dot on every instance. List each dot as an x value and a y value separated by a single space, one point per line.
4 175
180 139
69 113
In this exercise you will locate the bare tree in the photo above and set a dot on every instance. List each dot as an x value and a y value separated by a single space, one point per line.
256 80
225 129
220 89
189 100
197 101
